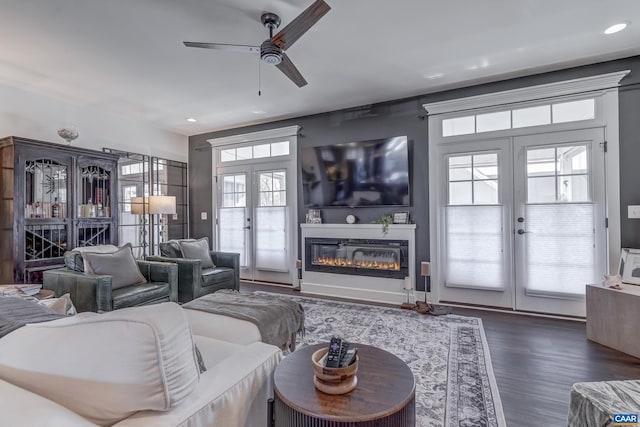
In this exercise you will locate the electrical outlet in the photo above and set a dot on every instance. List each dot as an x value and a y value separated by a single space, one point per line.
634 211
203 216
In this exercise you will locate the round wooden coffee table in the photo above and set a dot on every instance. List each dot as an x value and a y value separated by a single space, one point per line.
384 396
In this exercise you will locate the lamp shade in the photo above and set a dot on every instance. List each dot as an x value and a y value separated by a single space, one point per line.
162 205
425 268
139 205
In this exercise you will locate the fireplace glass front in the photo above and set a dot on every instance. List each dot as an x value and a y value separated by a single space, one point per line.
378 258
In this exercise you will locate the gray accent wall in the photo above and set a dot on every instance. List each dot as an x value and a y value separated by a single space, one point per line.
407 117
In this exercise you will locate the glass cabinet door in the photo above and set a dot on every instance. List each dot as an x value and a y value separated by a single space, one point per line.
46 214
95 197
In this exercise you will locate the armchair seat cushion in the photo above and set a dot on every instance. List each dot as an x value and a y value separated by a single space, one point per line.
213 276
140 294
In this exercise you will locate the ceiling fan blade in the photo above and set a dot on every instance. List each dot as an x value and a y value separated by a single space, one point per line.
221 46
290 70
300 25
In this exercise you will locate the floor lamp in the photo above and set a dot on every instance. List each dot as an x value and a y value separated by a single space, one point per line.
140 207
425 307
161 205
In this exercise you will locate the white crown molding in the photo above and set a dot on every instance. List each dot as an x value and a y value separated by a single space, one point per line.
550 90
284 132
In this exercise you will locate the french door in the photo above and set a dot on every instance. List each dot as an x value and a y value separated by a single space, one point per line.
524 221
253 219
560 229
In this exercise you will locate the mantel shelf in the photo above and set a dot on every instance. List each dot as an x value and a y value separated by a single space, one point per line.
360 226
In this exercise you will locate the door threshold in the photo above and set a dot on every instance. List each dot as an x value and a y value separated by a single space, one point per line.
511 311
261 282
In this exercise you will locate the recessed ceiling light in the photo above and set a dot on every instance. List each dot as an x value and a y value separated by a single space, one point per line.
259 112
191 120
616 27
433 76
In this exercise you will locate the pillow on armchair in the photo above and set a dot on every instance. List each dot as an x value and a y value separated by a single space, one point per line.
170 249
120 265
197 249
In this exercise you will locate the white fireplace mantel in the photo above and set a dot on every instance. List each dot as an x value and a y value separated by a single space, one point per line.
366 288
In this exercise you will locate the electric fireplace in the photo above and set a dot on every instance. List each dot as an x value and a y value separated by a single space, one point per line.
362 257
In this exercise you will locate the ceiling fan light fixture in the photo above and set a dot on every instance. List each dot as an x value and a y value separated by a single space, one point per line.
270 53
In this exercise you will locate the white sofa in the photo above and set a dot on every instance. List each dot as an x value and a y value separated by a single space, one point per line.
135 367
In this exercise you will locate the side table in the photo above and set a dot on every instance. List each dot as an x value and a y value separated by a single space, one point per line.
384 396
613 317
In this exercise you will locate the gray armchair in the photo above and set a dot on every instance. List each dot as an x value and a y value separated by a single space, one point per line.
93 292
195 281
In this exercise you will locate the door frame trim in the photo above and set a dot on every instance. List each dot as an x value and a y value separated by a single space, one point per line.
289 133
602 87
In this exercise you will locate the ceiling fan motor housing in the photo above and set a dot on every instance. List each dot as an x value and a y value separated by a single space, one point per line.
270 53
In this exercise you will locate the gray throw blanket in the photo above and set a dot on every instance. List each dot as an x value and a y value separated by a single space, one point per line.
277 319
16 312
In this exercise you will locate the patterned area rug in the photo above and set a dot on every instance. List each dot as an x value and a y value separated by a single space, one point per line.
449 356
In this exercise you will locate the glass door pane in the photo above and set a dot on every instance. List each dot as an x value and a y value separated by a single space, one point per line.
271 221
233 219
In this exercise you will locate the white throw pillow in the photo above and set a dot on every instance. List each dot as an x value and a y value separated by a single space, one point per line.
105 367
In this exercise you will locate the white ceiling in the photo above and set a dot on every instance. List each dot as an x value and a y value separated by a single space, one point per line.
127 55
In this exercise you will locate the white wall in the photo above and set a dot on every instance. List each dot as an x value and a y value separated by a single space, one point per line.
36 116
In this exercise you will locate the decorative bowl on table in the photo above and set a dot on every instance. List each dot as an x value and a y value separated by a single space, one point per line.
333 380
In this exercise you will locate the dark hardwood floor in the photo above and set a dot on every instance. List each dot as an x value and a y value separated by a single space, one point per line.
535 361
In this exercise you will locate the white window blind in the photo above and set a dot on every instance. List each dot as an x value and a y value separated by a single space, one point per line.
474 241
232 232
271 237
560 248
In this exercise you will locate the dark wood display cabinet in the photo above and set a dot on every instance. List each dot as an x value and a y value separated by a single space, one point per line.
53 198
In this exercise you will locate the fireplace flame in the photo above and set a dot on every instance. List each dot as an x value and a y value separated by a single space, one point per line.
343 262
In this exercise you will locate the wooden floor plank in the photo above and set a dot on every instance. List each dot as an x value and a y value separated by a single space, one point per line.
535 360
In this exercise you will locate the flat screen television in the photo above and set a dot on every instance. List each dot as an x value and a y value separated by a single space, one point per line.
363 173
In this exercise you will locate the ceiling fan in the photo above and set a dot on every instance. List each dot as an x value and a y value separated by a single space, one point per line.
272 49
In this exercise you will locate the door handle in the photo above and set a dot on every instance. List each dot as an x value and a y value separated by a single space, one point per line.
521 231
248 227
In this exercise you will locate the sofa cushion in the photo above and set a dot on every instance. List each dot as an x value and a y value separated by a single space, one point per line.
170 249
120 265
74 260
105 367
198 249
140 295
212 276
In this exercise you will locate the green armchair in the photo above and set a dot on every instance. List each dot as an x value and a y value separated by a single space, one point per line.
195 281
93 292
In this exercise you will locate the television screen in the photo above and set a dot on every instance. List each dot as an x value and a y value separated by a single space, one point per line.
364 173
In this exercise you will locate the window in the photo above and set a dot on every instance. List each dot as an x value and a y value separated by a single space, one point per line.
234 190
561 112
473 179
273 189
128 192
558 174
256 151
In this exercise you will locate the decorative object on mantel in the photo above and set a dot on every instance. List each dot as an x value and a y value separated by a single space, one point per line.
351 219
425 307
401 217
68 134
385 220
313 216
613 282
